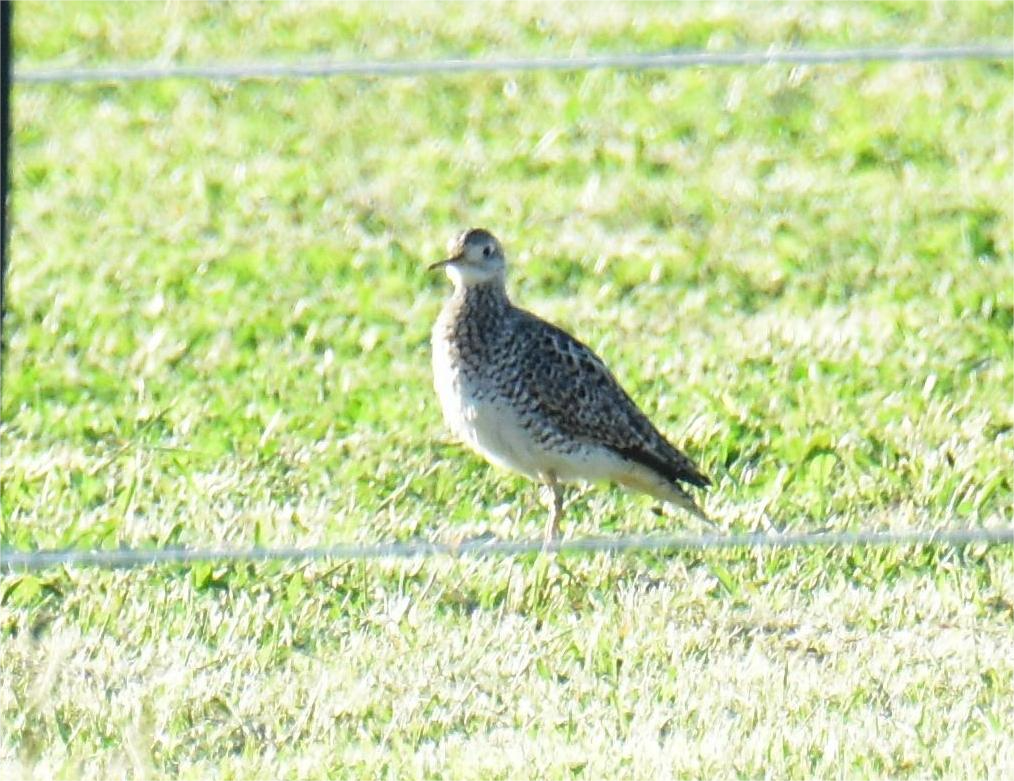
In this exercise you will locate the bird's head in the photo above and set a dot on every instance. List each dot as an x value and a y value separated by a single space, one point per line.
476 257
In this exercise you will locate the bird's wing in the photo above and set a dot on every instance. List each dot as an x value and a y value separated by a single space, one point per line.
593 407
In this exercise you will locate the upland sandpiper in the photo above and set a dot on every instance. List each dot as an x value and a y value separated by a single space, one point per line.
529 397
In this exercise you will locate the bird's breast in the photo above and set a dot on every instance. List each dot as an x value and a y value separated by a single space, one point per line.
456 388
476 409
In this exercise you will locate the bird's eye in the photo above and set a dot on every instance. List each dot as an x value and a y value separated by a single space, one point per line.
486 251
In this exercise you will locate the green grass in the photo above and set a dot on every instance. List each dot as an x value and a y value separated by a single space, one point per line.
218 335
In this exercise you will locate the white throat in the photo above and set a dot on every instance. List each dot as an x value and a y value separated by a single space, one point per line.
466 275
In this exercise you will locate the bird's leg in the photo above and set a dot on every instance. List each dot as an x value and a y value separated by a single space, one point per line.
556 511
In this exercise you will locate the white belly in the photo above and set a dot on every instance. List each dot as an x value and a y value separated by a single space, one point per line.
490 428
494 430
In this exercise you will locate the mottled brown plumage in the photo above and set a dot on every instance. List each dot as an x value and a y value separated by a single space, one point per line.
530 397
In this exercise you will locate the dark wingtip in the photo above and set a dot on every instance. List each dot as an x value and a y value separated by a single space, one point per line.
697 478
674 471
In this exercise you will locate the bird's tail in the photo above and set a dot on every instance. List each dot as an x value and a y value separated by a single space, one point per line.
666 491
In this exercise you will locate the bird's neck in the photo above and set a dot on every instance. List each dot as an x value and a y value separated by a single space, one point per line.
474 314
488 296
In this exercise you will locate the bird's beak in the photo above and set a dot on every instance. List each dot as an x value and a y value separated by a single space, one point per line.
443 263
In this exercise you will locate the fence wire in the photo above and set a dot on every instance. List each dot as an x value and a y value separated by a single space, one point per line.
131 558
310 70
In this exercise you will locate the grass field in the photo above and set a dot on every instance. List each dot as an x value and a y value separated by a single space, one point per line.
219 336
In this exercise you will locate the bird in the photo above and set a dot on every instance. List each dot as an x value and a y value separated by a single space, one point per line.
530 398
